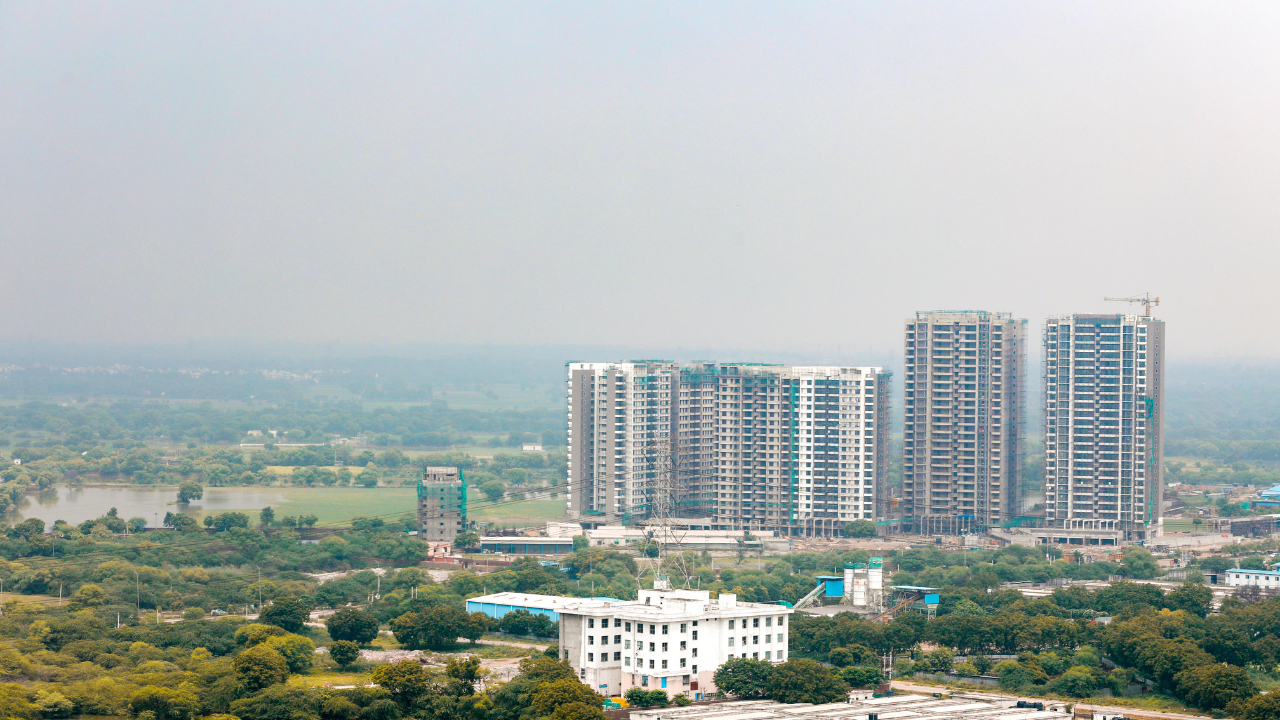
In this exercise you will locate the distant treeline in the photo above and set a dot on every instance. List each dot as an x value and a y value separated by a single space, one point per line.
1226 414
432 425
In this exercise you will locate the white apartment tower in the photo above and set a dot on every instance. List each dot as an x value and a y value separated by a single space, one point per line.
1104 419
768 448
963 423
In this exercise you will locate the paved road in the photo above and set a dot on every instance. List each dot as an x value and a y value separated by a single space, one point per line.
1097 709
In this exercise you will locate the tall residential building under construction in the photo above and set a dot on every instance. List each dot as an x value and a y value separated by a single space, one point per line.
964 399
1104 419
797 450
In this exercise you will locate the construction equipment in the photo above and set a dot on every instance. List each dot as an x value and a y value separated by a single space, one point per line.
888 615
1145 298
804 601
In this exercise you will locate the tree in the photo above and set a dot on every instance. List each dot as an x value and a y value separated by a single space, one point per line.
1258 707
298 652
279 702
182 523
165 702
287 612
136 524
1194 598
433 628
862 677
941 660
493 490
344 652
744 678
562 692
860 529
1213 687
579 542
1139 563
266 516
89 595
405 680
468 539
228 520
805 681
260 667
578 711
352 624
307 520
189 491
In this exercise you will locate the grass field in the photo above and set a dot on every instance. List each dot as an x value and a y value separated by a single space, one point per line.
334 505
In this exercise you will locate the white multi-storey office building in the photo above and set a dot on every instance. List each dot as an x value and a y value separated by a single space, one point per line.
671 640
964 390
1104 413
770 448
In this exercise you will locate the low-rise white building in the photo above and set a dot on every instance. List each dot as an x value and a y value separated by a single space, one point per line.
1266 579
671 640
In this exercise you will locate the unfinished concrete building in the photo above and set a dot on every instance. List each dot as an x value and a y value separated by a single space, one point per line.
442 504
964 397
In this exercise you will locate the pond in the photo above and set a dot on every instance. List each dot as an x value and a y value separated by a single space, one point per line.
77 504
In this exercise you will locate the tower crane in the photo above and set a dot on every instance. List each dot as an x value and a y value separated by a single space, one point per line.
1145 298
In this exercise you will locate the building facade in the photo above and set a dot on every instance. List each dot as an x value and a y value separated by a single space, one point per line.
442 504
799 451
671 640
1265 579
964 399
1104 419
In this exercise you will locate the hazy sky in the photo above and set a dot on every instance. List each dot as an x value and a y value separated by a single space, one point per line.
779 176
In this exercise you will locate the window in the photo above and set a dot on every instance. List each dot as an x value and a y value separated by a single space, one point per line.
695 652
650 647
695 633
628 627
650 663
591 657
731 624
617 656
730 642
664 664
755 622
744 641
682 645
664 647
767 654
617 622
755 639
681 662
644 679
694 669
627 644
683 627
627 661
591 622
768 639
768 621
755 656
653 630
782 621
617 639
664 629
591 639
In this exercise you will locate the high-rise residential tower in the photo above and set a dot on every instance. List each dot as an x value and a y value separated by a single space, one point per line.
1104 419
797 450
964 398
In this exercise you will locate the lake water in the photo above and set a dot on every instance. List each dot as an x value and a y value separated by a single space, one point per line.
77 504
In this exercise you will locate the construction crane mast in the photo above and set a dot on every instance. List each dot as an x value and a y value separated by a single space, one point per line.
1145 298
